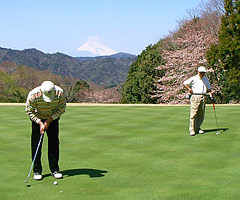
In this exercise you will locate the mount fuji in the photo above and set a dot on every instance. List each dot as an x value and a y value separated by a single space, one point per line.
95 48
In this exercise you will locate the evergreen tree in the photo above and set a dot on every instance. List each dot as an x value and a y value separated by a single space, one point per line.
229 47
141 77
227 53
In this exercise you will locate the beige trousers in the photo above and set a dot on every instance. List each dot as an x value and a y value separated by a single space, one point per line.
197 112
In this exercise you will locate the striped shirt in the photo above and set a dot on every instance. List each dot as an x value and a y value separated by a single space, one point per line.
39 110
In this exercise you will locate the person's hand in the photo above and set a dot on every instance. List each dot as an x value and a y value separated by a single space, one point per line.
191 91
47 122
210 94
42 128
213 99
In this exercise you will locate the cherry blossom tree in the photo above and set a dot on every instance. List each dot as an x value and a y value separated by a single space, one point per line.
184 51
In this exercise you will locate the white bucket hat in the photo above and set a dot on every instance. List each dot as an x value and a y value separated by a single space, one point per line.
48 90
202 69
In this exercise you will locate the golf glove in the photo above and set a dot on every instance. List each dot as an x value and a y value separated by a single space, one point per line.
213 100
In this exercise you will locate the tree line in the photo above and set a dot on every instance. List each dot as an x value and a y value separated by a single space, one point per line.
208 36
17 80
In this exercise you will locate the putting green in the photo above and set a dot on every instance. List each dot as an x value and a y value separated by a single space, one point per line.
125 152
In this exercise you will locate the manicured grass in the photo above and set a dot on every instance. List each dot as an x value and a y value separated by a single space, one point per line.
128 152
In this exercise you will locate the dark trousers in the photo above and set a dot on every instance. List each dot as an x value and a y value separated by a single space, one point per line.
53 146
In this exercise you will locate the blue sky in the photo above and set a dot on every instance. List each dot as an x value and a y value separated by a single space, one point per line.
64 25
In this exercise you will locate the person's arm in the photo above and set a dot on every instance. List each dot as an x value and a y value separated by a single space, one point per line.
187 83
211 96
189 89
61 108
210 93
30 109
58 112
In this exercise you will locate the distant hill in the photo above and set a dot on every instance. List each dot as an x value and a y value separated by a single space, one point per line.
117 55
102 70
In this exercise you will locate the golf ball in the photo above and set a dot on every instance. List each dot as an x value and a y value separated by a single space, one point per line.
55 183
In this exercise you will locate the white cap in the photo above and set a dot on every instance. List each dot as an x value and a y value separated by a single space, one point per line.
202 69
48 90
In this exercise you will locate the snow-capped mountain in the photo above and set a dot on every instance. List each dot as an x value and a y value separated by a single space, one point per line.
94 46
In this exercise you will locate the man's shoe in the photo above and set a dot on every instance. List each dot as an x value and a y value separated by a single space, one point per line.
37 176
201 131
57 174
192 133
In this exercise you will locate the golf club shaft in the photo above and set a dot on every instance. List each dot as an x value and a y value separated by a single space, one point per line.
34 158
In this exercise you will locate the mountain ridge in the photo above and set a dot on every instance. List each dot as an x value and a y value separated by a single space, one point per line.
103 70
117 55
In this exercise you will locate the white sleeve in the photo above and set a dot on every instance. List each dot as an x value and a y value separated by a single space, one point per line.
188 81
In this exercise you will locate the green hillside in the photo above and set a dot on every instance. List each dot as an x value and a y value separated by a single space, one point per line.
107 71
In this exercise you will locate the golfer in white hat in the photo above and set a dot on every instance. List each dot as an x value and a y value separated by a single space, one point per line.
45 104
197 86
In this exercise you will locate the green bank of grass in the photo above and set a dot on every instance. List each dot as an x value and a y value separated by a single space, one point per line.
125 153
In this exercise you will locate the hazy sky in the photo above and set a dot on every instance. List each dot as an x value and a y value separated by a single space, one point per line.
64 25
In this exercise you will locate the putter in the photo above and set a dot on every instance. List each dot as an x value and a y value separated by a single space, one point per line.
217 133
34 158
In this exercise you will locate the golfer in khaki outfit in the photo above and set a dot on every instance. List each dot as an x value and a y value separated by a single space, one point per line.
198 86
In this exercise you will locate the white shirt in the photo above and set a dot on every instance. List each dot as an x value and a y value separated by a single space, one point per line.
198 85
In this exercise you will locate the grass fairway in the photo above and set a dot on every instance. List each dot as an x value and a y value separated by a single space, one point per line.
125 152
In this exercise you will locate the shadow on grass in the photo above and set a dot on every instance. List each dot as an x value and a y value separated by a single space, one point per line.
92 173
213 130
